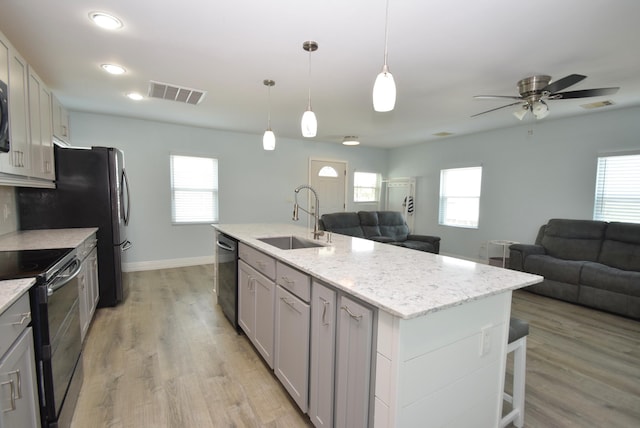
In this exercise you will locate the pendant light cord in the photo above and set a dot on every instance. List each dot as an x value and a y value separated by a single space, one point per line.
309 106
269 107
386 34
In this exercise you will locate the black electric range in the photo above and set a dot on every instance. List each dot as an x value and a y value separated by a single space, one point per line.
41 264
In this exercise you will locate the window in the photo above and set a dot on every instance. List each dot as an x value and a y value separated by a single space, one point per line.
194 189
460 196
618 189
366 186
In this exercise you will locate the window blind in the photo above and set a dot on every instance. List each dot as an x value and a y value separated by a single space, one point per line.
194 189
617 193
460 196
366 186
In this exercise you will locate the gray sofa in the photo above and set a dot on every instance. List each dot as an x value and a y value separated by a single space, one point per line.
592 263
381 226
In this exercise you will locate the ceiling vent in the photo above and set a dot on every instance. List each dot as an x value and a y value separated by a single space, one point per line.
167 91
597 104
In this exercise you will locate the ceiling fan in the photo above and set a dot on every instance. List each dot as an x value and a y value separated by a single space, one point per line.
535 91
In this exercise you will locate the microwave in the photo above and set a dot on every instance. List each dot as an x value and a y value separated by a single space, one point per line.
4 118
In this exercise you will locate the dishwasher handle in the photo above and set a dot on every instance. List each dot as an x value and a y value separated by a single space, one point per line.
225 246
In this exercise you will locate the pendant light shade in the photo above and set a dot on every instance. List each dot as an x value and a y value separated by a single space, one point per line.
269 138
384 88
309 123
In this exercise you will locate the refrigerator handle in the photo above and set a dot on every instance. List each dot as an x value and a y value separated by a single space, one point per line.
127 209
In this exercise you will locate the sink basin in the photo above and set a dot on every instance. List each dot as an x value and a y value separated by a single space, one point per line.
290 242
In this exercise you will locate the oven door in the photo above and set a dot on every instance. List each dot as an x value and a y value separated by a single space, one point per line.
64 346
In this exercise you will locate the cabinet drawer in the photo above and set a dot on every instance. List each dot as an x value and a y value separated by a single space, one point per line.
13 321
85 248
293 280
258 260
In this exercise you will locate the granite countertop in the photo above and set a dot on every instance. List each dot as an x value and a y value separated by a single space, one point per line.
406 283
11 290
45 238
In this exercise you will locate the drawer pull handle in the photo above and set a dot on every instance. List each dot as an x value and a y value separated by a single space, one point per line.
291 304
25 316
351 314
13 396
287 280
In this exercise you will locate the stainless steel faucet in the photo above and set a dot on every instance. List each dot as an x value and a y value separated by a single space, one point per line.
316 215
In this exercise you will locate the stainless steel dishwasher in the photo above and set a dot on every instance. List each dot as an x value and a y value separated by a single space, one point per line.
227 268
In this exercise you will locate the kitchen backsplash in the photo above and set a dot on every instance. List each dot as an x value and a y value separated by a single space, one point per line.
8 210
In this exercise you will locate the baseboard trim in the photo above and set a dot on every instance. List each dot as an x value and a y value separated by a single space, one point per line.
167 264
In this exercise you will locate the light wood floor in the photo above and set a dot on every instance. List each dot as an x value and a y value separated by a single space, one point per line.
167 357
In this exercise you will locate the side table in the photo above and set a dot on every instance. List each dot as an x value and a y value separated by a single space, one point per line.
499 261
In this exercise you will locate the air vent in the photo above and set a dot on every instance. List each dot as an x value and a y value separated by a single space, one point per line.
167 91
597 104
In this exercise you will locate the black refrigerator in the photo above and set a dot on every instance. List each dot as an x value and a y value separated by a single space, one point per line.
91 191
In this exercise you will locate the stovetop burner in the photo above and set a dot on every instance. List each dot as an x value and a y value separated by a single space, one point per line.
29 263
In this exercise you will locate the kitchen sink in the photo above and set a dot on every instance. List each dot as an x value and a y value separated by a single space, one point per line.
290 242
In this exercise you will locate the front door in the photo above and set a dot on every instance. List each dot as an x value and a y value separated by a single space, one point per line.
331 186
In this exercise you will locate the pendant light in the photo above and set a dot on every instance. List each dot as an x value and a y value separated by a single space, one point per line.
269 138
309 123
384 88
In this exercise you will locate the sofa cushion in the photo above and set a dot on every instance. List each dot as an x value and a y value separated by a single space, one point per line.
574 239
597 275
621 246
418 245
392 224
346 223
369 223
554 268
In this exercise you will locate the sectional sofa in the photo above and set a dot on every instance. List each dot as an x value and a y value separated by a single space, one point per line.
592 263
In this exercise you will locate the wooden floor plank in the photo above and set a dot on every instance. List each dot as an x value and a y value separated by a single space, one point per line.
167 357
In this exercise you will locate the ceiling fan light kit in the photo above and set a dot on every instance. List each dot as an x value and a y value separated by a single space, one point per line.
384 88
536 91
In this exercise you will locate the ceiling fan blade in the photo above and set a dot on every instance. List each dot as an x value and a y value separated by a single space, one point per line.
491 97
584 93
497 108
563 83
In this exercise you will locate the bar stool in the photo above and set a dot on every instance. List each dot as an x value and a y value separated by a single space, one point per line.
518 331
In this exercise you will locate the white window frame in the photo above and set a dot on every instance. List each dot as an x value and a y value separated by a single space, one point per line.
617 188
357 185
191 188
459 200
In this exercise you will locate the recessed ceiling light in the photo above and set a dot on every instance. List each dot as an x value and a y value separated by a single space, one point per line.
135 96
104 20
350 141
113 68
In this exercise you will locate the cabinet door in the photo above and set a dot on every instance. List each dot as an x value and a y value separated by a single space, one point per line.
265 291
18 397
292 345
323 332
84 299
93 280
353 364
246 299
40 128
17 160
60 121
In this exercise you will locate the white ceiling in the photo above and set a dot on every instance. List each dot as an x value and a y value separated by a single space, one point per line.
441 53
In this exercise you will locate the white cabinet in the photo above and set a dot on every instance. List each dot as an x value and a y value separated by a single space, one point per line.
40 128
88 286
256 296
18 396
322 360
353 363
16 161
60 117
292 345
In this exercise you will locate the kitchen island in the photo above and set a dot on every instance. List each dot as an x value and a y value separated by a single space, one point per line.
439 325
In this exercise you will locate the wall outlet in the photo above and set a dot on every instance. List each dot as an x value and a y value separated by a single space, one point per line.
485 341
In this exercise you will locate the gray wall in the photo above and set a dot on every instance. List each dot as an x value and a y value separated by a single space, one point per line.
255 186
531 173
